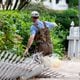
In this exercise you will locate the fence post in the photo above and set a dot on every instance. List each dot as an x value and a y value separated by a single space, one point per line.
74 41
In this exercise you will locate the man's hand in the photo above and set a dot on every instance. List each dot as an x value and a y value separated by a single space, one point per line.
26 53
30 41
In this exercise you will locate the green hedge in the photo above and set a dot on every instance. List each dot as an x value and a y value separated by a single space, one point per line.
15 30
73 3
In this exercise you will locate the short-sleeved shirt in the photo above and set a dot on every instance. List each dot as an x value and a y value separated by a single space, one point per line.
40 24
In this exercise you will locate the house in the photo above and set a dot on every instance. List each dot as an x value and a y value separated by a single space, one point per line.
55 4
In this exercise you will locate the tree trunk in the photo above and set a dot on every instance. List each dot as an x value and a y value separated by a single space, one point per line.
15 5
23 3
50 0
9 4
19 4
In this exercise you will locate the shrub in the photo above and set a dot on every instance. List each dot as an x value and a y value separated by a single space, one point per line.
15 31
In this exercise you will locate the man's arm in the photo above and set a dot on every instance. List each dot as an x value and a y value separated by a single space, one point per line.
51 24
30 41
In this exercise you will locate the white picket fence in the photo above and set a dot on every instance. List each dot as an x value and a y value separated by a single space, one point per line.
13 66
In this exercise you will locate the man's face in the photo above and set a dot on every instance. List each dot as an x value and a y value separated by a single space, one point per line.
34 19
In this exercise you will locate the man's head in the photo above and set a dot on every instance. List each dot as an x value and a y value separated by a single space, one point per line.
35 16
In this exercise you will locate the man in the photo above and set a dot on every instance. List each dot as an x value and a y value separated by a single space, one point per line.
40 35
